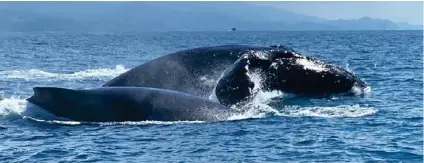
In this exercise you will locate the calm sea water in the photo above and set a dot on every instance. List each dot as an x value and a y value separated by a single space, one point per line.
386 125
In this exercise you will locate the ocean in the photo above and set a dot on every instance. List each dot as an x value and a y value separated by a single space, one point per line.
384 125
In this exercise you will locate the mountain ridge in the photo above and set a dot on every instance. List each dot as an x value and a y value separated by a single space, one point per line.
171 16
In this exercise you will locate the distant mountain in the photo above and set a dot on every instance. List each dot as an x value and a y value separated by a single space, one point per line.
364 23
407 26
169 16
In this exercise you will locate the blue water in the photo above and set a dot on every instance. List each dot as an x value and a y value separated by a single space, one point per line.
385 125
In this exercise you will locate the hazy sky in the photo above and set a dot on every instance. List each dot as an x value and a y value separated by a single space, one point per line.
411 12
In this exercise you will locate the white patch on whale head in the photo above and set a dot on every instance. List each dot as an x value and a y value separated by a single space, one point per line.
274 65
310 65
262 55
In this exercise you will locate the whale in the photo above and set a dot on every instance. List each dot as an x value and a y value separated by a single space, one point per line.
287 72
280 68
193 71
121 104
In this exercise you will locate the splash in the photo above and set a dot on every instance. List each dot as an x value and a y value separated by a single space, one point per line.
257 80
35 74
12 105
360 91
330 112
258 106
342 111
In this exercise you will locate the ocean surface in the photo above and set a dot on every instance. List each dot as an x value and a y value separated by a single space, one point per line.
384 125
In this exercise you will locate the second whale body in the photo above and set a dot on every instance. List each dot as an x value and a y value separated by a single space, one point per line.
118 104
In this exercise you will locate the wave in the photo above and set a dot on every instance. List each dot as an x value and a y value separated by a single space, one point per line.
35 74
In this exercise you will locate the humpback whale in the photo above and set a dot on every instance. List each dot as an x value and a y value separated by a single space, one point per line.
169 88
285 71
117 104
281 68
189 71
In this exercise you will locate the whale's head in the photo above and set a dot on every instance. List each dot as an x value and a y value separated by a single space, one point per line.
58 101
292 72
285 70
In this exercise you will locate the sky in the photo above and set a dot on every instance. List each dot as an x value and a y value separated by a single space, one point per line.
411 12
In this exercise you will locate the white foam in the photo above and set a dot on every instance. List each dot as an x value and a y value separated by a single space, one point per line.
35 74
330 112
342 111
9 105
54 121
253 112
307 64
258 106
150 123
256 78
63 122
360 91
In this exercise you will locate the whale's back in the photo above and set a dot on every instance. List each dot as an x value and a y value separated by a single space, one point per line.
126 104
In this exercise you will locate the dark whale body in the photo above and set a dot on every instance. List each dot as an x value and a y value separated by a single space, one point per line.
117 104
187 71
281 68
287 72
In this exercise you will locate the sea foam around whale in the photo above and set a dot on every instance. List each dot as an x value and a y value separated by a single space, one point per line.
36 74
